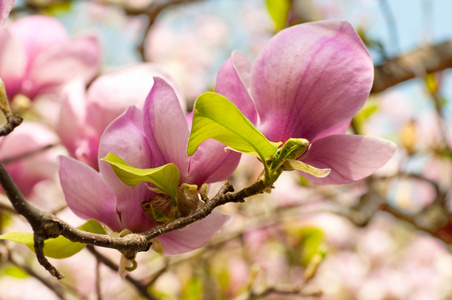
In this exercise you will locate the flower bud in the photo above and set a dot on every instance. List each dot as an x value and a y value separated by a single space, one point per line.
159 208
187 200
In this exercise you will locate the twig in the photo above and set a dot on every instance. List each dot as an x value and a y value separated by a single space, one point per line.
58 290
152 11
98 279
221 198
282 290
46 225
12 121
424 60
12 159
138 285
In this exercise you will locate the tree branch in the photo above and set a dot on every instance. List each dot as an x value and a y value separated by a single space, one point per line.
142 289
424 60
46 225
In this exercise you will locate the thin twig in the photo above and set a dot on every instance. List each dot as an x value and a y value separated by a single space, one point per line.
106 261
12 159
57 289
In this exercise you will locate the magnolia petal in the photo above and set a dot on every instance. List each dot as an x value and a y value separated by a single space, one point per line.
112 93
29 32
86 193
350 157
166 127
79 57
337 129
291 164
5 8
71 126
28 171
13 62
194 235
211 163
233 82
125 138
309 78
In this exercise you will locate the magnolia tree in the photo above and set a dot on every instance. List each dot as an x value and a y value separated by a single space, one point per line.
114 159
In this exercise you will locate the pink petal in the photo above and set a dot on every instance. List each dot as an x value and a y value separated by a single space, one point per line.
79 57
26 138
37 34
71 126
337 129
112 93
166 127
350 157
5 8
211 163
194 235
233 82
309 78
87 194
125 138
13 62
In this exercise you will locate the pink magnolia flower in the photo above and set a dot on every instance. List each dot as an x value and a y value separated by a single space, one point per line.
308 82
28 171
149 138
37 57
84 116
5 9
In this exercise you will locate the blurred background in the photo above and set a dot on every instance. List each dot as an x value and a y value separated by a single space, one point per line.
386 237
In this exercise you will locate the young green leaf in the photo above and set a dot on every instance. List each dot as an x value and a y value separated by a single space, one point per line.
279 11
218 118
59 247
165 178
292 164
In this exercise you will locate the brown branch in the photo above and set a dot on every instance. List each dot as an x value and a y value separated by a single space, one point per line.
142 289
46 225
12 159
222 197
424 60
152 11
57 289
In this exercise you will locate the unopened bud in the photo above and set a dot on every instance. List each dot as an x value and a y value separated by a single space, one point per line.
159 208
187 200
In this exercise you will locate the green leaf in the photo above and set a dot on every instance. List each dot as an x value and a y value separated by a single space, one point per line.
291 149
279 11
59 247
292 164
13 271
218 118
165 178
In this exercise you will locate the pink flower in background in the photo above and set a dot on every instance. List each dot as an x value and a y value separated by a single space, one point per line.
37 57
28 171
308 82
5 9
151 138
84 116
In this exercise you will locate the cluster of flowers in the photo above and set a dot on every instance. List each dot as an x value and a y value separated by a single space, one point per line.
308 82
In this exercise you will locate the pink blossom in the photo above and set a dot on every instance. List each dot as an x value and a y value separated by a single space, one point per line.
149 138
37 57
308 82
5 9
28 171
85 115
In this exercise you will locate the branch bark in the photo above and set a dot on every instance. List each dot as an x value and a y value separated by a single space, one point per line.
417 63
46 225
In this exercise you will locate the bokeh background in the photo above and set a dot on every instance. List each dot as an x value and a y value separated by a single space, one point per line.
385 237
